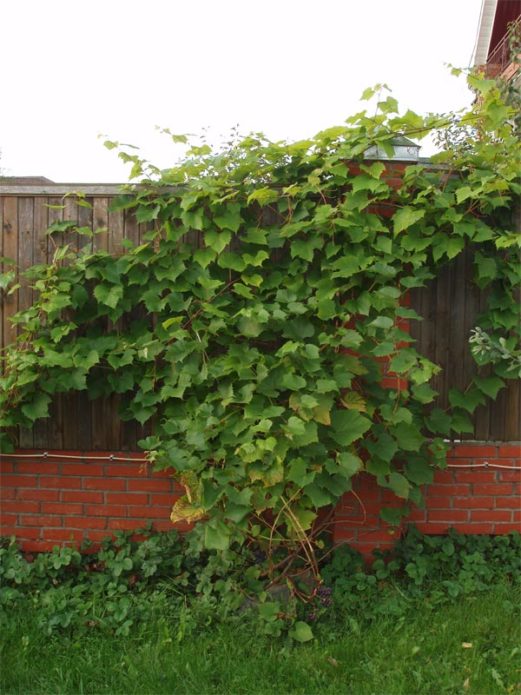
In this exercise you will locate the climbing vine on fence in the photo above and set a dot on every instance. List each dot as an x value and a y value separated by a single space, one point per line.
254 324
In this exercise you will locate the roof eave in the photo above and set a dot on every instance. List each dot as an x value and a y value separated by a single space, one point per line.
486 25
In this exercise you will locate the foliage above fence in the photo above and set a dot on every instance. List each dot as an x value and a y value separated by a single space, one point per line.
260 355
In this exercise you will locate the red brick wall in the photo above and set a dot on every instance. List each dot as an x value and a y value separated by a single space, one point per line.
54 501
468 496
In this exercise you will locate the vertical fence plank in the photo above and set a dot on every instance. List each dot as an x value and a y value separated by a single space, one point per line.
3 269
85 219
70 214
100 224
40 229
10 250
54 214
116 228
83 430
40 436
26 247
131 227
55 420
483 412
69 401
442 339
470 313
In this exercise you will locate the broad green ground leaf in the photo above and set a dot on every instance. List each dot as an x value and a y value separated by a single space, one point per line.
216 536
302 632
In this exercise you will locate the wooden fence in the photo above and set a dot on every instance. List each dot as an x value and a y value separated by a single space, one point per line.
449 306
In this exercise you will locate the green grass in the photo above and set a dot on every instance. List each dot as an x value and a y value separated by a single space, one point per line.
420 652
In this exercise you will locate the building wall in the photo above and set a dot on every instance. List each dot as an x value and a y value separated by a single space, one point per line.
60 500
479 492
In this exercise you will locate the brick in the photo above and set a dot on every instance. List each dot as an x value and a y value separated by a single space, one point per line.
38 546
163 499
106 510
507 528
126 470
127 498
438 502
490 515
62 508
45 495
510 476
18 507
8 520
417 515
60 482
450 515
446 476
509 450
473 502
516 515
365 508
389 498
104 484
96 536
161 485
475 528
82 496
493 489
447 490
39 520
513 502
475 476
166 473
356 522
59 534
340 535
20 480
5 466
37 467
434 528
148 512
376 535
125 524
92 522
21 532
7 493
90 469
473 451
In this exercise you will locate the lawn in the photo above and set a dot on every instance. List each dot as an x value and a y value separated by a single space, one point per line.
472 645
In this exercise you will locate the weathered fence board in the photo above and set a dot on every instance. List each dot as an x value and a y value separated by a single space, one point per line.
450 306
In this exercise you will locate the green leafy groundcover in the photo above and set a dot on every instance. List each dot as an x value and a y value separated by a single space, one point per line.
253 325
120 585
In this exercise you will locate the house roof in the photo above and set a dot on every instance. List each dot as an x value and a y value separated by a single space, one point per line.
24 180
493 22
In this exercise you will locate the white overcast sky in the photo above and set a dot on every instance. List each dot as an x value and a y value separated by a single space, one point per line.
72 69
